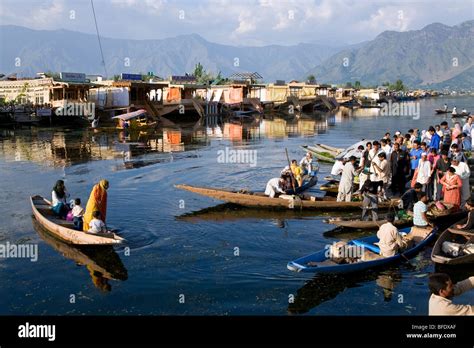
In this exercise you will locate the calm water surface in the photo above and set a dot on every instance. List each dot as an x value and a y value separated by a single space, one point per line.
178 246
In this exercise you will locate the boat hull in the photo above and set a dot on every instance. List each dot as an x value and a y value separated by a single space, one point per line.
451 234
259 200
65 231
301 264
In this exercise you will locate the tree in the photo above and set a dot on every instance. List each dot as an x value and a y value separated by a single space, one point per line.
357 85
399 85
311 79
349 84
198 71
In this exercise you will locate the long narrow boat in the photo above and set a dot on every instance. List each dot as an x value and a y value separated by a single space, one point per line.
333 151
99 259
313 180
442 111
259 200
320 262
63 229
457 236
366 225
462 114
323 156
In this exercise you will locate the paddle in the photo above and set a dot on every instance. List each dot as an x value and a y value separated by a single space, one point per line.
291 173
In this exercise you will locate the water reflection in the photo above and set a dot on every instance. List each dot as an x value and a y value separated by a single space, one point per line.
231 212
102 262
325 287
65 147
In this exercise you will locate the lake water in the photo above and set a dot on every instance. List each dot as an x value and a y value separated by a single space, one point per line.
181 260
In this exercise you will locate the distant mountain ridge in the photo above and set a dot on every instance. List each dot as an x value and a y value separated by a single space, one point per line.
63 50
437 55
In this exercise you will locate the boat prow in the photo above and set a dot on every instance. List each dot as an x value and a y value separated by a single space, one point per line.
64 230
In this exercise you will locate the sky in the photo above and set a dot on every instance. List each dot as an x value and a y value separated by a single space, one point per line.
238 22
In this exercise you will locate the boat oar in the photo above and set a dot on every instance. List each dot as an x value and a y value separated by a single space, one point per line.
291 173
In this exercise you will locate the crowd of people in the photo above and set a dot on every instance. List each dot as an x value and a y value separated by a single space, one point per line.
435 159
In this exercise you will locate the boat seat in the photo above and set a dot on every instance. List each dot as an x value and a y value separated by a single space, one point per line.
62 222
367 246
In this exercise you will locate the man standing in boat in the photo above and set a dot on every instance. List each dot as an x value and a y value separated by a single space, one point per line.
347 181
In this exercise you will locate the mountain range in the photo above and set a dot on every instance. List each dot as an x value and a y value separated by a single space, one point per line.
435 56
63 50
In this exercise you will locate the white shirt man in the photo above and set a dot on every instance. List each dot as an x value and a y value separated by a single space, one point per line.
424 170
274 186
441 303
381 173
467 128
390 240
462 169
307 163
337 168
347 181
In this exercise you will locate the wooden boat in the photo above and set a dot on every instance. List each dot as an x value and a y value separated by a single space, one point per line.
321 156
442 111
135 120
320 262
453 235
366 225
307 184
462 114
333 151
260 200
332 186
99 259
64 230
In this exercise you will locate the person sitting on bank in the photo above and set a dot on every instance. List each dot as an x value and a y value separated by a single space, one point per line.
419 212
443 290
409 198
97 225
390 241
275 187
59 197
77 214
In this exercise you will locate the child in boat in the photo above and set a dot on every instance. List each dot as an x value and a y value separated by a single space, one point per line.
77 213
97 225
297 172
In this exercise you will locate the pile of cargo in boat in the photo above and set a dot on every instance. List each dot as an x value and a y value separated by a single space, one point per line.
454 246
363 254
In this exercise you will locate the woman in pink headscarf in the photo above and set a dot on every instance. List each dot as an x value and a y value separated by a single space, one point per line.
457 130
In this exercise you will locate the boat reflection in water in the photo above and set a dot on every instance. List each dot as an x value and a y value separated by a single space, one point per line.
232 212
102 262
325 287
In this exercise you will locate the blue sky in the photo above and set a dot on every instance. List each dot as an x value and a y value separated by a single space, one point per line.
244 22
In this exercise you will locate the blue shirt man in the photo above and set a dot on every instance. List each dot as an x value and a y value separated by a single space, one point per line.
435 139
415 155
